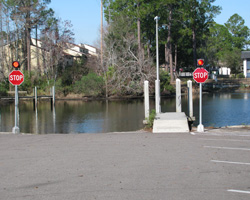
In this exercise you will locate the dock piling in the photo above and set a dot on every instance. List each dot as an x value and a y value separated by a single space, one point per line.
190 99
178 95
146 99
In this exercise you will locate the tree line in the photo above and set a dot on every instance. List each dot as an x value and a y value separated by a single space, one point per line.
187 31
31 34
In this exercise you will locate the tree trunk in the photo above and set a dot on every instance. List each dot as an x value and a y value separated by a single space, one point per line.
139 34
139 28
175 57
28 37
37 55
1 40
170 44
167 55
194 48
28 49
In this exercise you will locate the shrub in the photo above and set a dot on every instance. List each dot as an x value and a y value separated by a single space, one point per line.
27 83
4 87
241 75
165 82
150 119
62 88
90 85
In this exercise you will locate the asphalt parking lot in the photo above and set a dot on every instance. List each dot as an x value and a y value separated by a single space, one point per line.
135 166
229 150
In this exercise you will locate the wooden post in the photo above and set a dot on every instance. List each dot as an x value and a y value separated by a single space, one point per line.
53 95
190 99
53 99
178 95
146 99
35 98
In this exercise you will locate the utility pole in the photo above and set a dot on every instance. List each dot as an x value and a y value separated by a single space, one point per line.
105 71
157 82
101 33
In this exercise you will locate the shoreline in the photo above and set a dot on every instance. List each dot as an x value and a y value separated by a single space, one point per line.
194 130
115 98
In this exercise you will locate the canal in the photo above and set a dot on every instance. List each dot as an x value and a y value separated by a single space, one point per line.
219 109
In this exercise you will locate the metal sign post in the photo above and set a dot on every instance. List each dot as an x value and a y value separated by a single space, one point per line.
16 78
200 127
200 75
16 129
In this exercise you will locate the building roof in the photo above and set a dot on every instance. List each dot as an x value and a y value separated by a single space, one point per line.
245 54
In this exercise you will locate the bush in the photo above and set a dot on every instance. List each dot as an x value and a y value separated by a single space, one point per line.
27 83
61 88
241 75
150 119
165 82
4 87
90 85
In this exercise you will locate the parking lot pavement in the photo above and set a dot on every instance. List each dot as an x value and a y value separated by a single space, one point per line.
134 166
229 149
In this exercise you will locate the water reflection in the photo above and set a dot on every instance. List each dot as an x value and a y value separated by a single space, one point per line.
123 115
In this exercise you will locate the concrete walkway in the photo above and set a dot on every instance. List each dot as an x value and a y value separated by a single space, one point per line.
171 122
120 166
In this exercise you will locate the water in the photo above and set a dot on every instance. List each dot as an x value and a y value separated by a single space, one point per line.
224 109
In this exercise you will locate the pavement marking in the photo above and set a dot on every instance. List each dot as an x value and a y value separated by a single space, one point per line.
230 140
227 148
239 191
229 162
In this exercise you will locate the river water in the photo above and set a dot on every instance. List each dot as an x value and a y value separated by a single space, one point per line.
219 109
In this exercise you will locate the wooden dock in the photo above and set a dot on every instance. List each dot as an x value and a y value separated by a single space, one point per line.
34 98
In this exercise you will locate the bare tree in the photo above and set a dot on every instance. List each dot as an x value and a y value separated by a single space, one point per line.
56 37
127 68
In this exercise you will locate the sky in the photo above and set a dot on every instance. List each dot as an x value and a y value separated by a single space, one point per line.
85 15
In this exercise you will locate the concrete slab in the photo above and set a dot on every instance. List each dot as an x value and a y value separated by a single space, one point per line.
171 122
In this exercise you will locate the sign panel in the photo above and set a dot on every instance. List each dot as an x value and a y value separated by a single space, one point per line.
200 75
16 77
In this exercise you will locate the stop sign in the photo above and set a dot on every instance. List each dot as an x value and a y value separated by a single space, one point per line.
16 77
200 75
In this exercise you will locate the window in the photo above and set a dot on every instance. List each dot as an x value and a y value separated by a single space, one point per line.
84 50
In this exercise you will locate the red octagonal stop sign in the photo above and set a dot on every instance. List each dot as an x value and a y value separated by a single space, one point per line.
16 77
200 75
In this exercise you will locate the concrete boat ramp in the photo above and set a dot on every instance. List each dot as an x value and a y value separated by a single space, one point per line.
171 122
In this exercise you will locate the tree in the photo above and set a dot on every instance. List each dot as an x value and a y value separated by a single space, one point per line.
240 33
55 38
30 14
197 17
218 44
127 69
225 43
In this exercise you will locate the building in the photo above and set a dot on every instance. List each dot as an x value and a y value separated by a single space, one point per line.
224 71
41 58
245 55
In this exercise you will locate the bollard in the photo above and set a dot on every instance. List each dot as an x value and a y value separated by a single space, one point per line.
178 95
53 95
190 99
157 97
35 96
53 99
146 99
